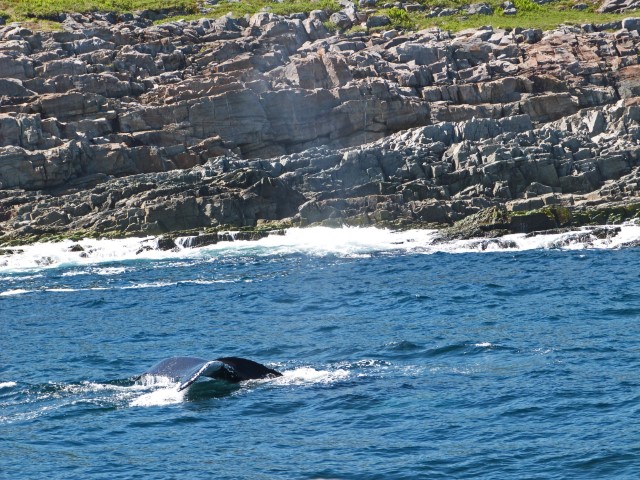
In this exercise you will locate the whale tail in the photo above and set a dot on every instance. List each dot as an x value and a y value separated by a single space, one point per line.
187 370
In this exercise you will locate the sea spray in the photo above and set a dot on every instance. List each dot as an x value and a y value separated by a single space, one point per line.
320 241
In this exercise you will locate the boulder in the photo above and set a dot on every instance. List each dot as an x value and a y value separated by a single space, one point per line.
341 20
479 9
616 6
376 21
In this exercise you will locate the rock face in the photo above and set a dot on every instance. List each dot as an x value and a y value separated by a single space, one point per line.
115 125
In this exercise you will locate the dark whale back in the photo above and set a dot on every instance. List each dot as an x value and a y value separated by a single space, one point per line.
243 369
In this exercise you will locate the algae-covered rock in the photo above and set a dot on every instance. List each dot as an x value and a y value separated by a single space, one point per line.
490 222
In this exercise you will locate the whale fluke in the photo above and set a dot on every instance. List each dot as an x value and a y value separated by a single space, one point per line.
244 369
187 370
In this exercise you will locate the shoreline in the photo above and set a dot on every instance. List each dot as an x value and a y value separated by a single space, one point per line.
490 223
315 242
482 231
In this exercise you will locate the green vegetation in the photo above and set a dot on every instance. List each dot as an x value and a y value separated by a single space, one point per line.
330 26
251 7
287 7
497 221
604 215
529 14
547 18
47 9
400 19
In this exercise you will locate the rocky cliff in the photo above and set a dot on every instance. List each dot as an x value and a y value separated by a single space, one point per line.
118 126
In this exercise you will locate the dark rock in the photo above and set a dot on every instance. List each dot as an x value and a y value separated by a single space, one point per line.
532 222
12 87
164 243
341 20
200 240
532 35
631 23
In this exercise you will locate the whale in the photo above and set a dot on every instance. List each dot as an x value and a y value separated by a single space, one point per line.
187 370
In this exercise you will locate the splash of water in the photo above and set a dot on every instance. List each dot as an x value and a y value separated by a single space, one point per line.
317 241
160 397
310 376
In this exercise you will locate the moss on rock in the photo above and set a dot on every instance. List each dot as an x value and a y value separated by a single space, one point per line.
497 221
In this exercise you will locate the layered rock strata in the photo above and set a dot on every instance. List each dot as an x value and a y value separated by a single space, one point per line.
118 126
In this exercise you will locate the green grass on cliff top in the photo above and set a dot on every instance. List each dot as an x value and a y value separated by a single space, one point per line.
286 7
25 9
530 14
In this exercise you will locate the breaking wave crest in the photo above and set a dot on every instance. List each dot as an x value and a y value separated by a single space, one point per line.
317 241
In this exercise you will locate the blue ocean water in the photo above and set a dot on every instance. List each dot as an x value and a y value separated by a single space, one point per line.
399 361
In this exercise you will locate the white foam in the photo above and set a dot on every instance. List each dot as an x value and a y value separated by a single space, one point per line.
169 394
206 282
164 391
76 273
92 387
309 376
320 241
150 390
51 255
160 397
17 291
110 271
155 391
22 278
346 241
148 285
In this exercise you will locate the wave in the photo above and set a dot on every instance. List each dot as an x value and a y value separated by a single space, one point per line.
15 291
134 286
90 255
